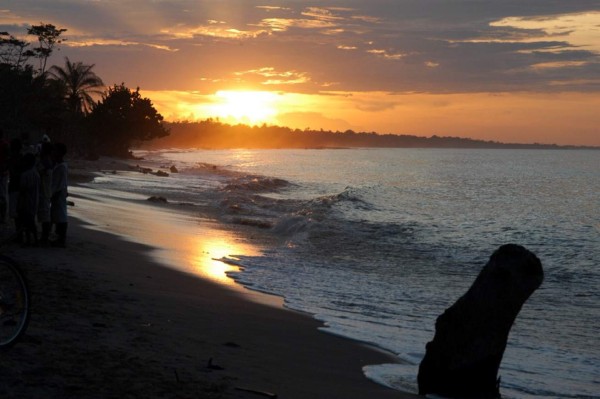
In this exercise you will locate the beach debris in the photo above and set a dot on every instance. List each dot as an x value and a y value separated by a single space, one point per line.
213 366
173 169
146 171
231 345
470 337
257 392
176 376
156 198
143 170
261 224
70 203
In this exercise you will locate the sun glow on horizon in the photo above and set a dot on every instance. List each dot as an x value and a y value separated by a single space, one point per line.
509 117
251 107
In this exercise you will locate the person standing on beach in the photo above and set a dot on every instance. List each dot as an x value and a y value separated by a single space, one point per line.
4 155
44 167
28 199
58 201
14 181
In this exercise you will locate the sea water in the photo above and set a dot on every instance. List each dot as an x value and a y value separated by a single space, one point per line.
377 243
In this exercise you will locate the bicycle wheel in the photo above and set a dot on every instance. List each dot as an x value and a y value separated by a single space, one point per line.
14 303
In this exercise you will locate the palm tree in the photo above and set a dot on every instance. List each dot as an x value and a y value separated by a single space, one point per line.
79 82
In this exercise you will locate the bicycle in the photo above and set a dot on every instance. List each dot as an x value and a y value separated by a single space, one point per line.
14 303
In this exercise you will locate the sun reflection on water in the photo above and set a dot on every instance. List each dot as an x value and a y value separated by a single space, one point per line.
196 248
214 257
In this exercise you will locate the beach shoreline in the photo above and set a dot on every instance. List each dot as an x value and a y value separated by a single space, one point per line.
108 321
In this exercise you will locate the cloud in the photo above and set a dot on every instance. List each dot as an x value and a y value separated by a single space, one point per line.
217 29
382 45
273 8
558 64
274 77
333 20
322 14
9 18
578 30
283 24
88 42
385 54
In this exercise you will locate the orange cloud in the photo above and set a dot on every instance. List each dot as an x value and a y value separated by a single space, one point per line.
283 24
385 54
277 77
580 29
210 30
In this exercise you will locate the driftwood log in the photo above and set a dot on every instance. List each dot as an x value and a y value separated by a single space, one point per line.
463 359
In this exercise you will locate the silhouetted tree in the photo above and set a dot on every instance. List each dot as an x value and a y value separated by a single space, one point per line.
48 37
124 118
28 103
12 51
80 82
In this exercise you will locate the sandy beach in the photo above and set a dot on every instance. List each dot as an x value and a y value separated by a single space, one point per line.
108 321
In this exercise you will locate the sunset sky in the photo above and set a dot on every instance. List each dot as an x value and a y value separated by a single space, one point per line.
510 70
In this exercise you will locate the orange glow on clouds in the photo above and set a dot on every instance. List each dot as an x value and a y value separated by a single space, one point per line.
581 30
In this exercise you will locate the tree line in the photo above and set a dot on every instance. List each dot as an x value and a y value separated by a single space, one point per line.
214 134
59 100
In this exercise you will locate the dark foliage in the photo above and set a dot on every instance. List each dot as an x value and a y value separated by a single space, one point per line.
58 103
79 83
124 118
29 103
49 38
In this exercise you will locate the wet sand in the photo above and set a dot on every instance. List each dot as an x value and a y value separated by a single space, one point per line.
108 321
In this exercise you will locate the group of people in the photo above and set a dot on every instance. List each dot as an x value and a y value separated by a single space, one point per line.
33 189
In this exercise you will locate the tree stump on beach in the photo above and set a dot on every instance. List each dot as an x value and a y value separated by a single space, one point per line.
471 335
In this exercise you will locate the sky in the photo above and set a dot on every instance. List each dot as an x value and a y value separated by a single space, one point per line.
504 70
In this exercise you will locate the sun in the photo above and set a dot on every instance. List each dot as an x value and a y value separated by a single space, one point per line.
250 107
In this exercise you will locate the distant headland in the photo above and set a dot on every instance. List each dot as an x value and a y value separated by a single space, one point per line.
214 134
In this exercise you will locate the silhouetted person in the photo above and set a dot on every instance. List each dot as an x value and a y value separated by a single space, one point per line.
26 146
4 155
44 167
28 199
14 181
58 203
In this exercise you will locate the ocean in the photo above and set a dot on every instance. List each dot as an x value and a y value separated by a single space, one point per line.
376 243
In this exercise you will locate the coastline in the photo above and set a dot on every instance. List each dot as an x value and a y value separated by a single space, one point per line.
108 320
